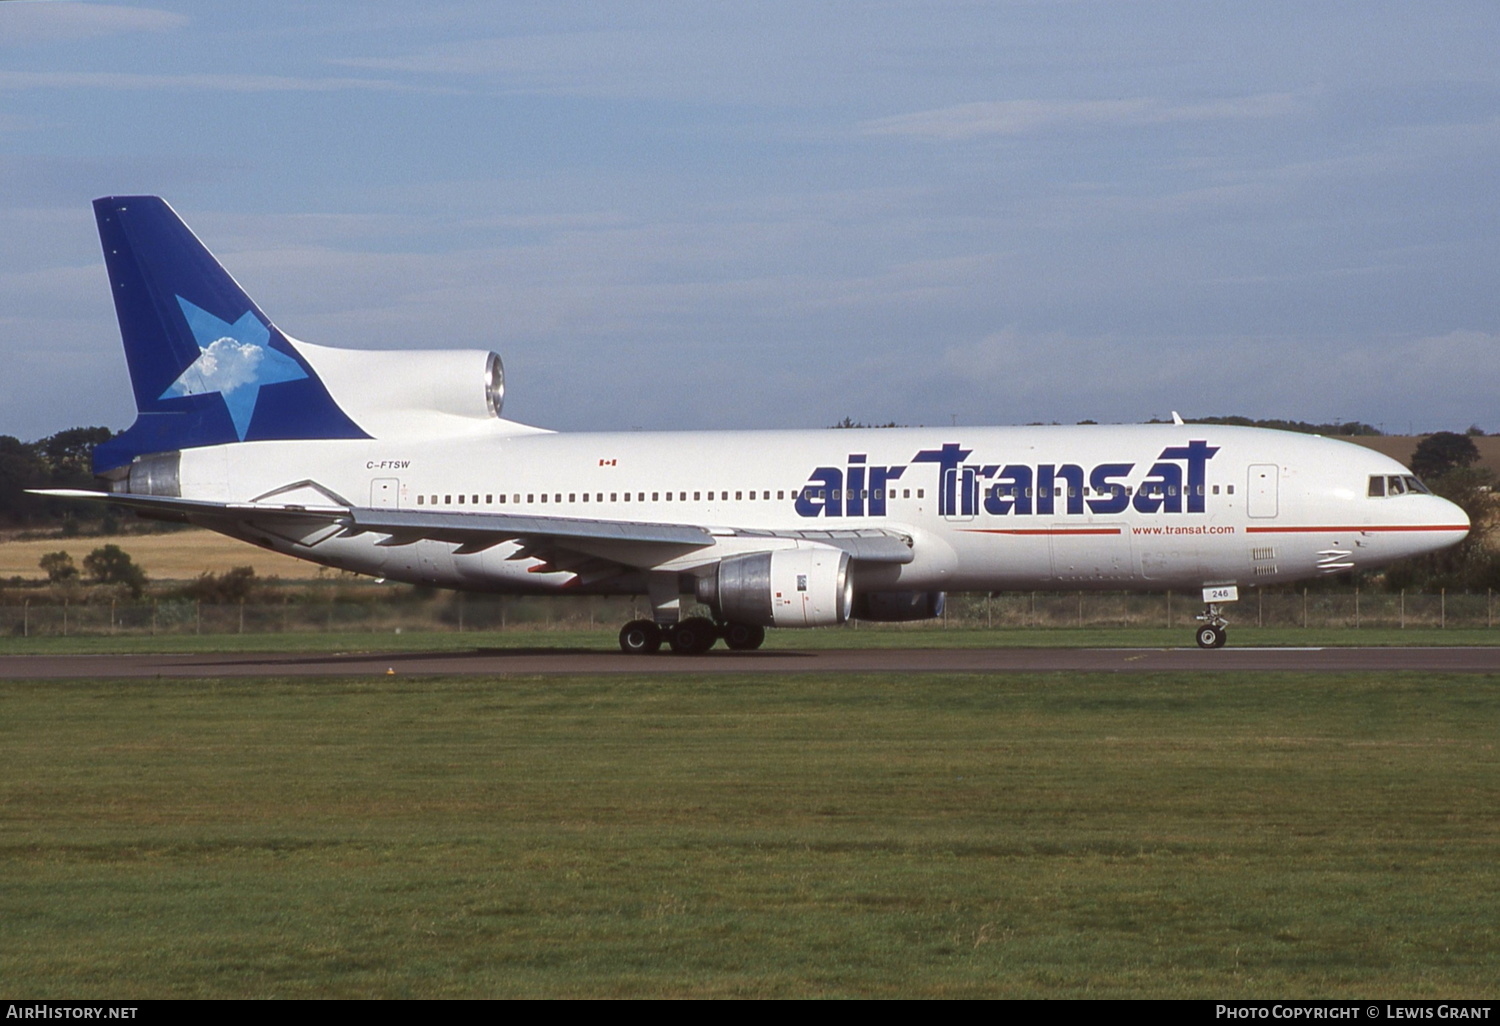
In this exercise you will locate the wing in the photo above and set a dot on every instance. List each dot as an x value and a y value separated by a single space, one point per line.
564 543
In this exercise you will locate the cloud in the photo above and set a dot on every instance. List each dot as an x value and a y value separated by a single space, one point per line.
73 379
62 290
124 80
1013 376
25 24
545 62
681 64
591 63
715 54
1016 117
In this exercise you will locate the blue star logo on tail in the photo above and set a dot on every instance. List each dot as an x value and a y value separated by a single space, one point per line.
235 360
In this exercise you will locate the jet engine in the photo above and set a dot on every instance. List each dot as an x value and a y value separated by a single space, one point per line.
803 587
897 606
396 392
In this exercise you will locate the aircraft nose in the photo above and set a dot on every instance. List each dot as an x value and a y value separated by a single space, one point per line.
1448 521
1457 517
1439 524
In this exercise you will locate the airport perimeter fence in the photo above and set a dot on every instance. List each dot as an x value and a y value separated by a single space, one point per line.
1302 608
44 616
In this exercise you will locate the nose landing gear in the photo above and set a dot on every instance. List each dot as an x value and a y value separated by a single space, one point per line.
1213 631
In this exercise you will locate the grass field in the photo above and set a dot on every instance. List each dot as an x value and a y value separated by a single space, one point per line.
1047 835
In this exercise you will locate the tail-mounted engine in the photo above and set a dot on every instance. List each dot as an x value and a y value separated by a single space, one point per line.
397 393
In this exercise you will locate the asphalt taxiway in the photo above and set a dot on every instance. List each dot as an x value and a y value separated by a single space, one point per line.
497 662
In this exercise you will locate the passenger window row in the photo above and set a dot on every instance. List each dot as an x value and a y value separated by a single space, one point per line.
557 498
761 495
1116 490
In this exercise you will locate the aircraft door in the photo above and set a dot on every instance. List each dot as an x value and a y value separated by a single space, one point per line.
383 492
1260 490
959 497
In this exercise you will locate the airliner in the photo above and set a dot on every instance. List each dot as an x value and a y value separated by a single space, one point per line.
399 465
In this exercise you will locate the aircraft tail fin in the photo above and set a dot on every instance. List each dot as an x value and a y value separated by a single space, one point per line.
206 365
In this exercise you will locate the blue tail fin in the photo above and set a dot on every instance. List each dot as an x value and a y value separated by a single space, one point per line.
206 365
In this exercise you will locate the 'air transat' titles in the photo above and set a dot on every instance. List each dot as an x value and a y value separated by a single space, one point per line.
1174 484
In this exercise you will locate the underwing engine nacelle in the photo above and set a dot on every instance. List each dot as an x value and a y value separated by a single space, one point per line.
803 587
898 606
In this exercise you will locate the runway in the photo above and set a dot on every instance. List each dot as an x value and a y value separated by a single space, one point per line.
531 662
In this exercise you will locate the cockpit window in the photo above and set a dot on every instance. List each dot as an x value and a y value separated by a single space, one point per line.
1383 485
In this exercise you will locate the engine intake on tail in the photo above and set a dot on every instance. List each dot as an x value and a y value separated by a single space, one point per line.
805 587
391 393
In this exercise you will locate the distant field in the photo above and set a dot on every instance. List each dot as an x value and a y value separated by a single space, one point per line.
928 836
1401 447
179 555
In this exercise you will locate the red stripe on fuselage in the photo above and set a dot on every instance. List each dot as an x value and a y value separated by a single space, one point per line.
1042 530
1347 528
1337 528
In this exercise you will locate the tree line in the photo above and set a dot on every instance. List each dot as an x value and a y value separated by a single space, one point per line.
1448 463
63 460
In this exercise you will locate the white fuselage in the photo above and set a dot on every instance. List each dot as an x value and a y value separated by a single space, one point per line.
1155 506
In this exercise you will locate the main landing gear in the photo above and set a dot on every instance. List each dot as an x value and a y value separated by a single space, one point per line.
693 636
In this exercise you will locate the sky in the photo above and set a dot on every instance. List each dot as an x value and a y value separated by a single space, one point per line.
688 215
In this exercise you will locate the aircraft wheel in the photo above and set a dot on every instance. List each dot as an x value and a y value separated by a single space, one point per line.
742 637
640 637
694 636
1210 636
